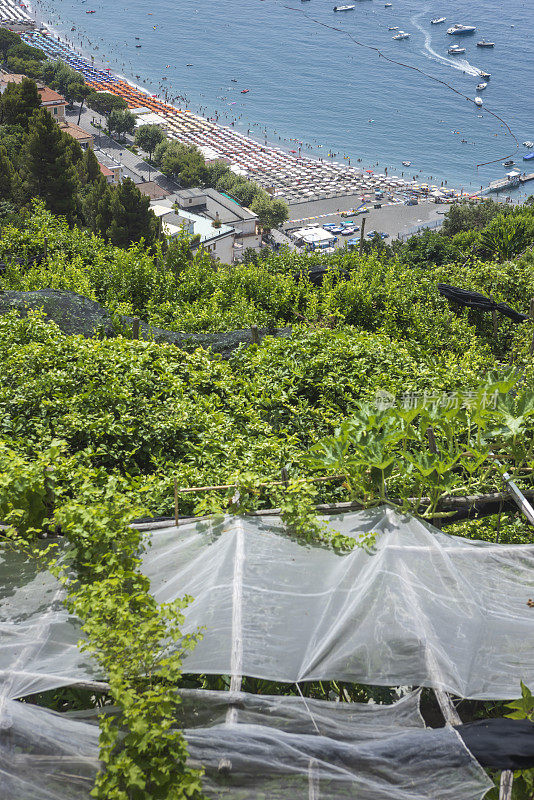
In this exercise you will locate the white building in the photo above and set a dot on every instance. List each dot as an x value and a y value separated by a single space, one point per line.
213 205
218 241
313 238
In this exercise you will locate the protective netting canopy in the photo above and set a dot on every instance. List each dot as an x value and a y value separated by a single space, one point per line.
276 748
423 609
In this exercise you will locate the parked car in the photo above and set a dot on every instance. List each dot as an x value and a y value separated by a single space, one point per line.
352 243
350 229
329 225
337 230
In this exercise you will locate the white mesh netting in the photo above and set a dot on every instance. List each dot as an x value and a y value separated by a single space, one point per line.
425 609
277 749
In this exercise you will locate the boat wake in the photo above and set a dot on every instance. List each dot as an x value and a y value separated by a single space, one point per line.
460 64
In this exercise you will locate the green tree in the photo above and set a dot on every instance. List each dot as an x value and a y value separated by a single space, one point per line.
504 238
469 215
182 161
96 206
25 52
91 167
6 176
18 103
271 213
132 218
80 95
48 169
21 66
105 102
8 39
147 137
122 121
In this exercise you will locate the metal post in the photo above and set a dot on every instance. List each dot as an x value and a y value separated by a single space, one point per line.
255 334
176 519
362 233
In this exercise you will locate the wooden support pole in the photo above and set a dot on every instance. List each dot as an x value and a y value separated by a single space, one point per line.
135 328
176 519
255 334
362 232
507 781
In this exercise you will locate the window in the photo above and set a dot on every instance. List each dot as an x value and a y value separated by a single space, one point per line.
55 111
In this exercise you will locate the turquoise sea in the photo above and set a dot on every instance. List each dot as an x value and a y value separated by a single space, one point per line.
323 78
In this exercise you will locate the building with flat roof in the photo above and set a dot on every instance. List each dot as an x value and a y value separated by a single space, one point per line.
217 240
218 205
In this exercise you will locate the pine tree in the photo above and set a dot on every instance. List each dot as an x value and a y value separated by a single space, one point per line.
132 218
6 176
96 205
18 103
49 172
91 166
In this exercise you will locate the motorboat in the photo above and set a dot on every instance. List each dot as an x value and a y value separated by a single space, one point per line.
138 45
479 102
455 50
406 163
484 43
528 157
481 86
485 75
393 28
388 5
438 20
402 35
343 8
528 144
245 91
457 29
509 163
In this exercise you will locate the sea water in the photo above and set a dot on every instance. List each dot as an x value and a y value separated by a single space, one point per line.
321 81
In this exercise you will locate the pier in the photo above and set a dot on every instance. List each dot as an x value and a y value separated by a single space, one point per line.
507 182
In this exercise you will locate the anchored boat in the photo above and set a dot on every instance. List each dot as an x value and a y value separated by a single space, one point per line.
402 35
457 29
479 102
484 43
455 50
481 86
343 8
438 20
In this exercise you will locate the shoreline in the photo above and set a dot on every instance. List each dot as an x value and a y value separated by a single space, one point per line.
286 175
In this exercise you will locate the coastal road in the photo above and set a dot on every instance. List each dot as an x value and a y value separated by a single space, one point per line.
134 166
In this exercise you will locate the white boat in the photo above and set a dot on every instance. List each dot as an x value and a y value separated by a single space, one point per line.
481 86
478 101
455 50
406 163
457 29
484 75
528 144
484 43
437 20
343 8
388 5
402 35
393 28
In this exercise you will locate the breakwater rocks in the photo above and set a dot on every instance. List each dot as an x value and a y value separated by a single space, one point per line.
75 314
